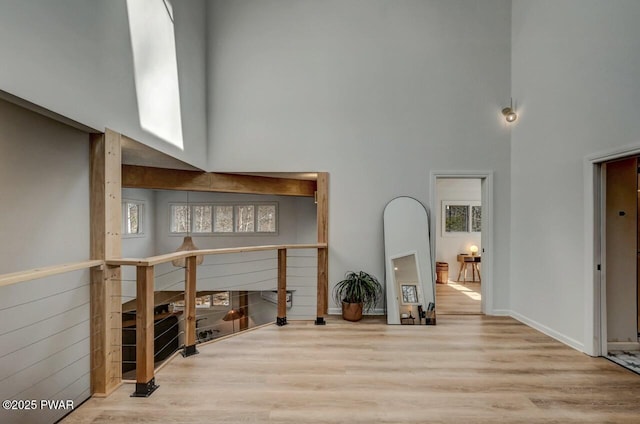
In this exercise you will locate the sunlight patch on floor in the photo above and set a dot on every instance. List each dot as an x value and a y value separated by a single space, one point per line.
473 295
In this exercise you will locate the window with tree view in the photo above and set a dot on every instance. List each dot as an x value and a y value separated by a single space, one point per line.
457 218
461 217
256 218
476 218
132 217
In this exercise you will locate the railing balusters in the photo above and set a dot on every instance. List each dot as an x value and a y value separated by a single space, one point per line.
145 379
282 287
106 305
190 306
323 279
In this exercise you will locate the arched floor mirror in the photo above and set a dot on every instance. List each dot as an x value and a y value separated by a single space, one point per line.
410 291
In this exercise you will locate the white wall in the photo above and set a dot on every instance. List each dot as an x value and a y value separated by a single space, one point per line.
377 93
44 191
141 245
44 216
449 245
575 86
306 220
74 57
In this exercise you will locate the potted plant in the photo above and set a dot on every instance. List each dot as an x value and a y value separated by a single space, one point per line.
357 292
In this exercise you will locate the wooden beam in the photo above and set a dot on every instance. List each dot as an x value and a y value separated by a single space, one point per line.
113 196
323 265
281 318
190 306
322 218
323 207
105 211
175 179
145 381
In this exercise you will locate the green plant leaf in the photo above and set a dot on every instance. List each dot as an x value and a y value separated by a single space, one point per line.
359 287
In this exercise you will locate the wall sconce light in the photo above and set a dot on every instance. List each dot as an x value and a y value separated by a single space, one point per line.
473 249
509 113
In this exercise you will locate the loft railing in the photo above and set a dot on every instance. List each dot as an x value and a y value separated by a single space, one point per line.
42 272
293 270
145 282
45 340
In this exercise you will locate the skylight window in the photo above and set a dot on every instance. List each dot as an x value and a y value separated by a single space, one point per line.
155 67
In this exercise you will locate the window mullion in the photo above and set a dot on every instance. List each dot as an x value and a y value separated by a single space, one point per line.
255 218
235 218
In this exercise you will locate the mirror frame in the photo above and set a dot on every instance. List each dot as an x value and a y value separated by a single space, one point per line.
402 238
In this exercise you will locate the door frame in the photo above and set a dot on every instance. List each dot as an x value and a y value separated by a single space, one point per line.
595 311
487 233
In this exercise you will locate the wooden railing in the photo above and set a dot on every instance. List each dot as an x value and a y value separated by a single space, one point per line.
34 274
45 340
145 373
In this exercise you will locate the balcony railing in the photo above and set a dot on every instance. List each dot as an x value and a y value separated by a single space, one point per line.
45 340
177 278
254 277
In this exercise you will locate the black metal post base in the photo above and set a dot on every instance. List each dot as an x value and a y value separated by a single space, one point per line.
145 389
189 351
320 321
281 321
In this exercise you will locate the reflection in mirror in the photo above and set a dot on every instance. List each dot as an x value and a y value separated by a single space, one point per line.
409 283
409 294
406 277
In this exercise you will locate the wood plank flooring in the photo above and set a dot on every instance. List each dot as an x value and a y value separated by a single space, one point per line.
466 369
458 298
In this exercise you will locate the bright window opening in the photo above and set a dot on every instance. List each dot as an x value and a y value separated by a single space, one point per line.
245 218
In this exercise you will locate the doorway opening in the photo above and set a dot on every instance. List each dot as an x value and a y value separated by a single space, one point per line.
619 247
461 228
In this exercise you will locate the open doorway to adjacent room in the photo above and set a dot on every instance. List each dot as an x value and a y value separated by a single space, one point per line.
620 317
458 229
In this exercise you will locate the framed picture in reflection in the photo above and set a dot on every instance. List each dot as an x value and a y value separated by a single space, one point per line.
409 294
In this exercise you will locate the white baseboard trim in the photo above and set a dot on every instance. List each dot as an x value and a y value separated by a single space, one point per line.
338 311
548 331
500 313
623 346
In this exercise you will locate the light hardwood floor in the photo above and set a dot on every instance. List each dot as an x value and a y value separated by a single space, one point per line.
458 298
466 369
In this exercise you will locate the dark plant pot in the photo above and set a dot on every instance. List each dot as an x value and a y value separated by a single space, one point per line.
351 311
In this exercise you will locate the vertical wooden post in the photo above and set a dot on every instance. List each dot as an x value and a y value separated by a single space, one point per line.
190 306
243 323
323 254
145 380
281 318
105 208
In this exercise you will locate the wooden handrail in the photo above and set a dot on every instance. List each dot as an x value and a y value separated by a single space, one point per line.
145 374
34 274
160 259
